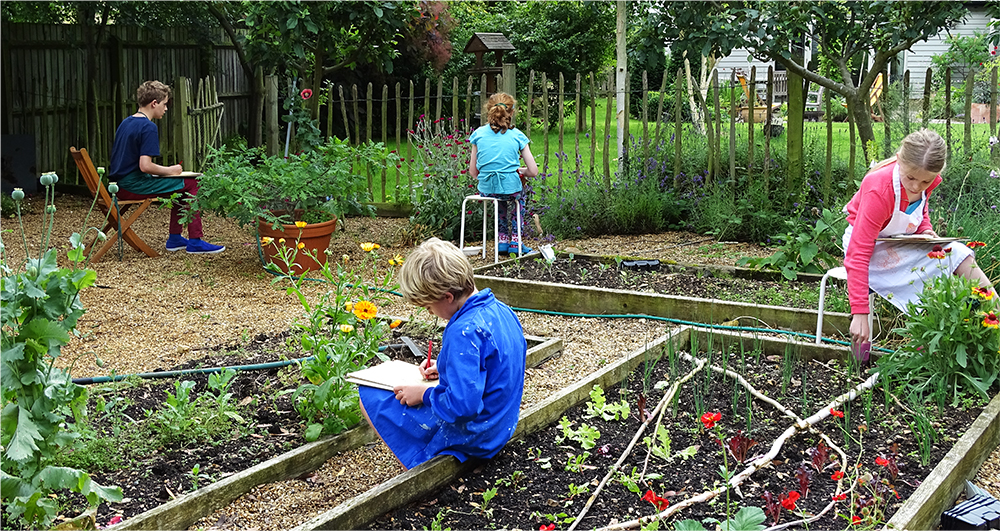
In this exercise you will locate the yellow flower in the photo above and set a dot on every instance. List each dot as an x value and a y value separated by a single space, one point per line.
281 241
369 247
985 293
397 260
365 310
346 328
300 224
395 324
301 245
349 306
266 240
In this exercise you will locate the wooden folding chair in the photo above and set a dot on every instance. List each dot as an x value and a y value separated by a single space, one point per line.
119 226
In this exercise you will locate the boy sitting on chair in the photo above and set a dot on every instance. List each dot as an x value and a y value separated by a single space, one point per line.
137 141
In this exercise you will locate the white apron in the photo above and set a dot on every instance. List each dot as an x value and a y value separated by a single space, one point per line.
897 271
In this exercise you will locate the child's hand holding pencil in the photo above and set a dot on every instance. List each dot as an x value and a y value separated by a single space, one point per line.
428 369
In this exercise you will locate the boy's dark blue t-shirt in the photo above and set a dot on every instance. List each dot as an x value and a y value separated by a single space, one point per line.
134 138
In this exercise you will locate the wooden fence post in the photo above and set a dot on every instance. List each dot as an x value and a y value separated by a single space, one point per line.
531 99
562 118
714 172
887 143
645 118
732 128
509 77
607 132
927 99
182 101
828 169
947 108
593 123
751 103
678 101
969 82
906 102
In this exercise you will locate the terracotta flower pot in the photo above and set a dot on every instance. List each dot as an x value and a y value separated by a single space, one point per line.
315 236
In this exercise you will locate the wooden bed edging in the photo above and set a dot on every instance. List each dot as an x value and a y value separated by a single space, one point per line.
604 301
184 511
941 487
411 485
768 344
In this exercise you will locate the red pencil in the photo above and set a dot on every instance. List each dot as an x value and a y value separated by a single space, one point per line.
430 348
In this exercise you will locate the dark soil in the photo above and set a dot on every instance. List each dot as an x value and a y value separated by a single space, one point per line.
665 279
533 487
149 480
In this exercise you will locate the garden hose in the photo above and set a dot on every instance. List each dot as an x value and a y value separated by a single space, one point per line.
260 254
209 370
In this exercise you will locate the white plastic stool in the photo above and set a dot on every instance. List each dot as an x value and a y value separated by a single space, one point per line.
496 226
841 273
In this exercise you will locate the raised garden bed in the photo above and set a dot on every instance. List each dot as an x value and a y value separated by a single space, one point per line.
532 485
602 285
162 489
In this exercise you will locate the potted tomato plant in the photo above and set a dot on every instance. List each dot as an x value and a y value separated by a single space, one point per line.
293 200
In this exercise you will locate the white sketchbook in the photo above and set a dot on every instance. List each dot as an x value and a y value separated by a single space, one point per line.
918 238
388 375
183 175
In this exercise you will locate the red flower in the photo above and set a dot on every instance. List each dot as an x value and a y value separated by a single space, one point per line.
840 497
881 461
658 502
990 320
835 413
788 500
306 94
936 253
550 527
709 419
855 520
115 520
838 475
973 245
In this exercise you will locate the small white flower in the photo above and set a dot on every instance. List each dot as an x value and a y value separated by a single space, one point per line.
994 141
993 174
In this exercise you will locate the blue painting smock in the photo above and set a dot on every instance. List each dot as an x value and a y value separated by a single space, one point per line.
134 138
473 410
497 159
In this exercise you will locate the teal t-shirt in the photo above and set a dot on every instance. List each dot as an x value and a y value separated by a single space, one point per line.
499 156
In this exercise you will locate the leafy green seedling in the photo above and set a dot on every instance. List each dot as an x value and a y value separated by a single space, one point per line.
599 406
586 435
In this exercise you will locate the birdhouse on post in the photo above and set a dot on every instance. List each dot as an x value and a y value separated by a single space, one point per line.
479 44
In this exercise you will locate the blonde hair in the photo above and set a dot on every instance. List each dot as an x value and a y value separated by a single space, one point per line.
924 149
435 268
151 91
499 110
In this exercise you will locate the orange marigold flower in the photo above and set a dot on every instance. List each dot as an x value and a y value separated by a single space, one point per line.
395 324
300 224
301 245
990 320
365 310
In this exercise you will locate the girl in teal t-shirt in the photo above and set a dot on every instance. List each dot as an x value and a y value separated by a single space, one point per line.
496 152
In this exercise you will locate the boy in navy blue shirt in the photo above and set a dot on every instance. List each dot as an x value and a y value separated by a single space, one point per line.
137 141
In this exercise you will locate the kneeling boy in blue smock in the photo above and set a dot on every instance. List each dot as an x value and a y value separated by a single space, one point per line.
473 410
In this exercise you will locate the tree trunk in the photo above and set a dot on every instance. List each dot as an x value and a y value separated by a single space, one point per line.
863 122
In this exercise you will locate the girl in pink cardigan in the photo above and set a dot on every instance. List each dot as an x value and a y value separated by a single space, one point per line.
892 201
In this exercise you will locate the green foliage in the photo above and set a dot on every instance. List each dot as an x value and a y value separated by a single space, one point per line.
444 151
661 448
964 53
243 184
585 435
40 311
952 342
185 419
599 406
808 249
574 463
341 334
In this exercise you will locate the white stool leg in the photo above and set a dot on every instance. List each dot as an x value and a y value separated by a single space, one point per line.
871 316
496 230
461 233
483 202
520 240
822 302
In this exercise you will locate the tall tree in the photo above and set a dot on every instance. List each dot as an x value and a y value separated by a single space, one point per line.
867 33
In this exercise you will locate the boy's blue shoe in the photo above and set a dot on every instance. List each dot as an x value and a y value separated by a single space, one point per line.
176 242
197 246
524 250
503 248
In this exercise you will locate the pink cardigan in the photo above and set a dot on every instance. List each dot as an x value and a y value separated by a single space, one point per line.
869 211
